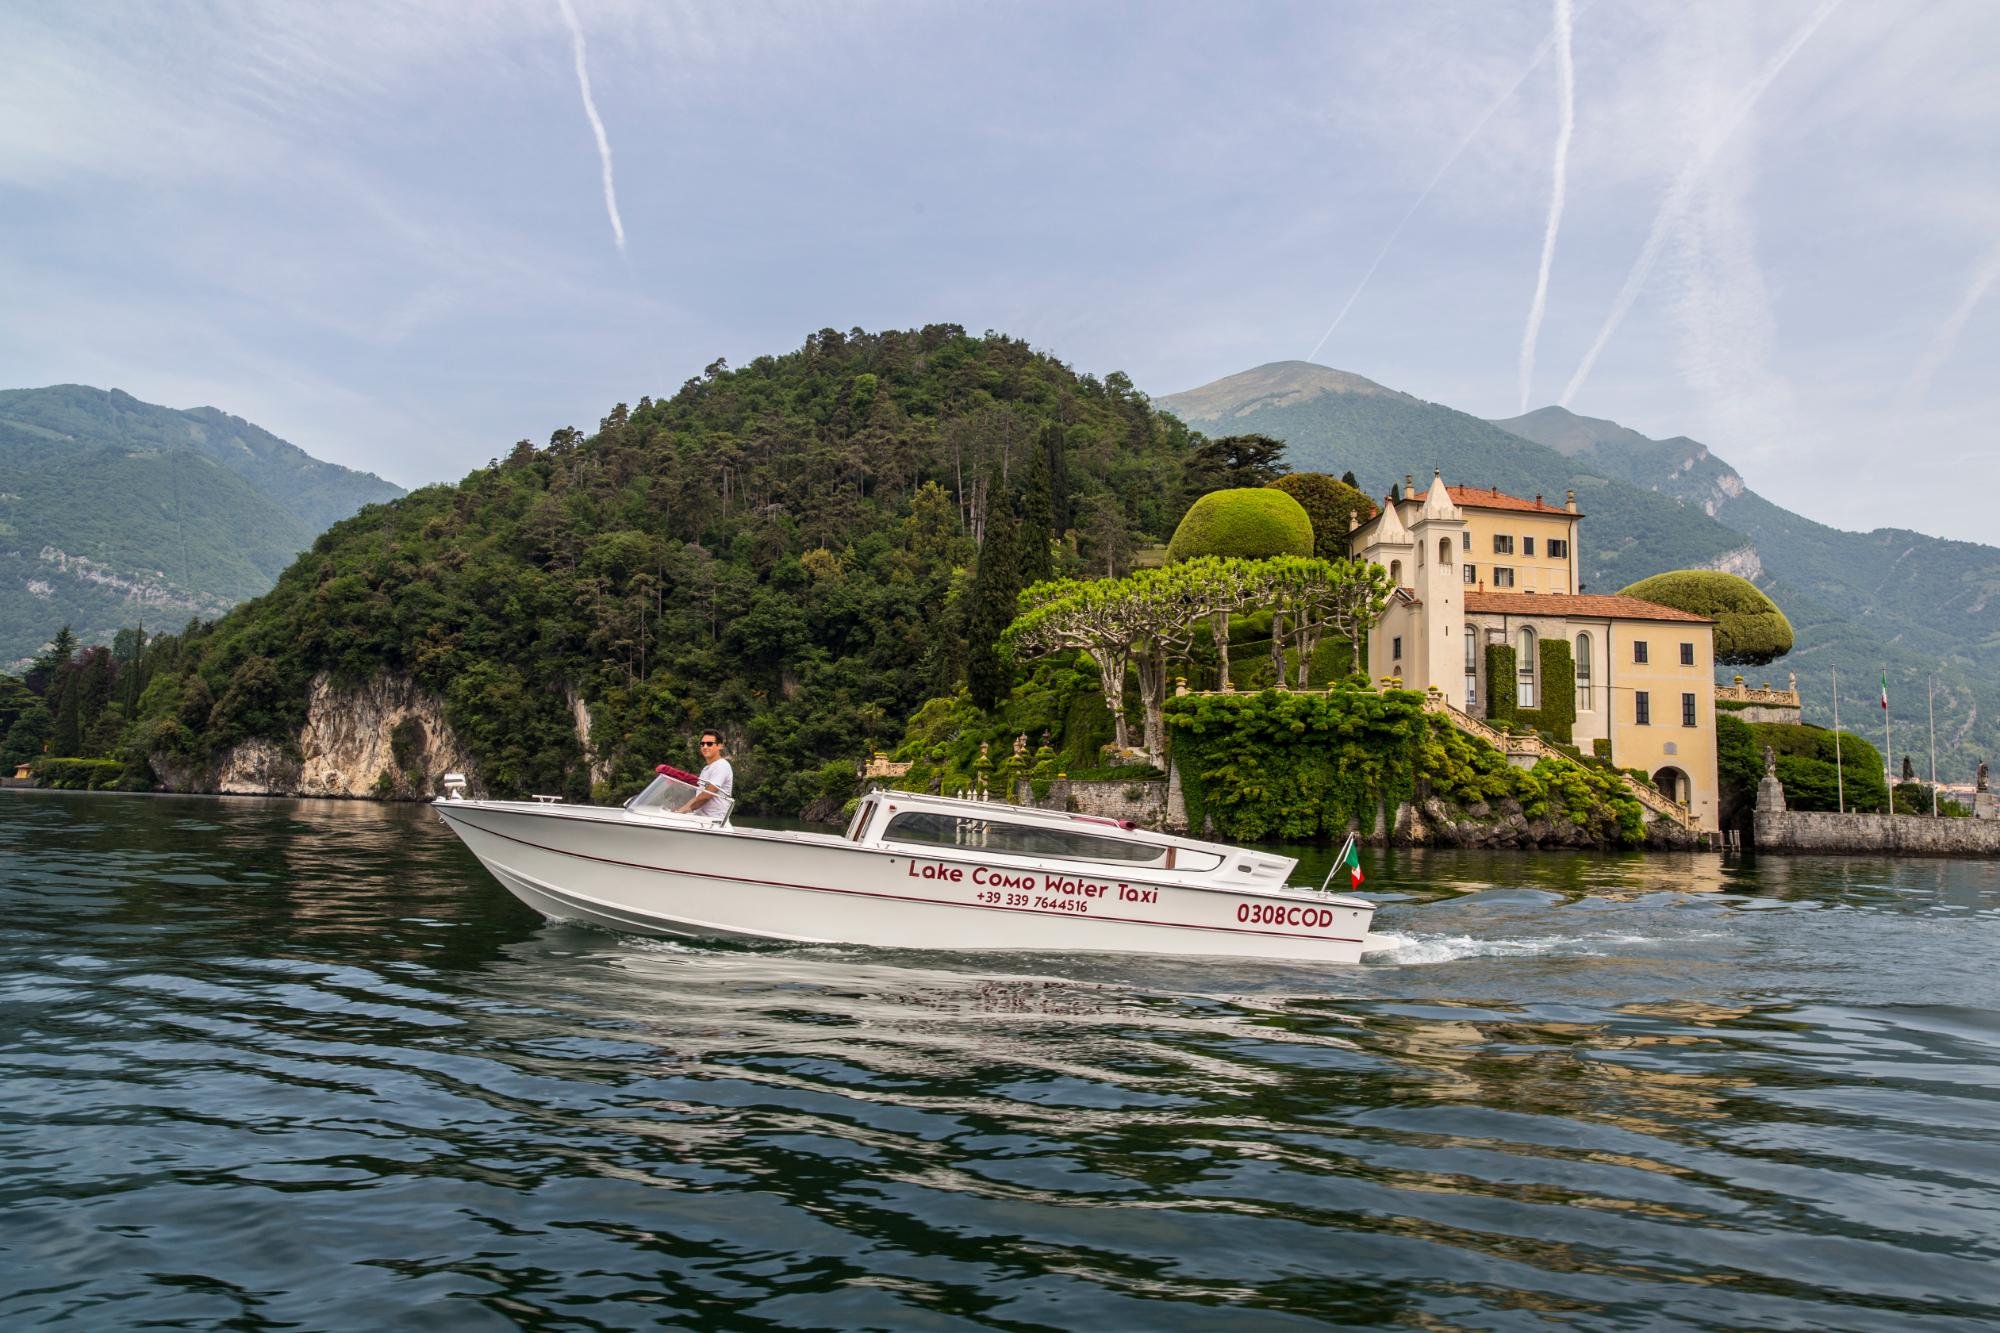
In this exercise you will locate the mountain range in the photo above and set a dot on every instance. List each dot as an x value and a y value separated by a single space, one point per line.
1889 602
116 512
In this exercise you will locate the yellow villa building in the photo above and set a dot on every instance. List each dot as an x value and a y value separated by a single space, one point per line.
1477 567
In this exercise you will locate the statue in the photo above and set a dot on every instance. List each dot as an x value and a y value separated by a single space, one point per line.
1770 761
1980 785
1021 745
1909 770
1794 685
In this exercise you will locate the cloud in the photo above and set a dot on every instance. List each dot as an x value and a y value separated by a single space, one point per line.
1946 337
1558 188
1674 207
596 122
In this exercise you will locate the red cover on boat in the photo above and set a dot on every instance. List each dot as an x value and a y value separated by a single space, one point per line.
678 774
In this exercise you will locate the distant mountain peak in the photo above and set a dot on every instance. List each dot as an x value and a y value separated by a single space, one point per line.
1276 384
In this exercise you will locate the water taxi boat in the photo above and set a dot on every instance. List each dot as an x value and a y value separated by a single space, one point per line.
911 871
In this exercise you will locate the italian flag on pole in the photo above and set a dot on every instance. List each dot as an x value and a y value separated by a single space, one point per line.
1885 691
1353 863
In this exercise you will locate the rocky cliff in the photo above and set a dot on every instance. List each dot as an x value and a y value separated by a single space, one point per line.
386 739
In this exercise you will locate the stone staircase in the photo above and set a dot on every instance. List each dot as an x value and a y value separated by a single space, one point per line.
1532 749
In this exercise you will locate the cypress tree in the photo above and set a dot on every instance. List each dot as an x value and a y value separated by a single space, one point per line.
1031 545
1055 450
996 585
67 738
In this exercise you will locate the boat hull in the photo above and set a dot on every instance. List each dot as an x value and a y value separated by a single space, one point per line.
672 878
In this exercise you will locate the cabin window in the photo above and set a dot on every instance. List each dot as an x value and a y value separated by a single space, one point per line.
932 828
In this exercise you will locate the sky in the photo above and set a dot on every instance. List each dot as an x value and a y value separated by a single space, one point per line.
404 236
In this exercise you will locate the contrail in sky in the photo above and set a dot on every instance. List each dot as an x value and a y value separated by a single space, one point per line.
1674 207
1463 144
1946 338
596 124
1558 188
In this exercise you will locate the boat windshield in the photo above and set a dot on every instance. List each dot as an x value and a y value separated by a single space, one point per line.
666 796
993 835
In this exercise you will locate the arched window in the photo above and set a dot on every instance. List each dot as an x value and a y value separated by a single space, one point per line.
1471 667
1524 667
1396 572
1583 703
1444 552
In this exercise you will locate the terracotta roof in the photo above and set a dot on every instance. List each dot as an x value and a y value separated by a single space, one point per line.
1476 497
1584 605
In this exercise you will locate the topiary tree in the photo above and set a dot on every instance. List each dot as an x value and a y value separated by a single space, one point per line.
1253 523
1329 503
1750 630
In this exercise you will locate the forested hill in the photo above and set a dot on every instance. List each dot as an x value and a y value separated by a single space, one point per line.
117 514
779 551
1333 421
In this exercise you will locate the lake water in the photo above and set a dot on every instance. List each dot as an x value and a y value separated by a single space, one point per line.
302 1064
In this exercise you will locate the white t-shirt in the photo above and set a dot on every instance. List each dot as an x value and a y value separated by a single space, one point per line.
720 776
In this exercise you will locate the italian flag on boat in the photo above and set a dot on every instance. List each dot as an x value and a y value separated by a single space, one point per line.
1349 859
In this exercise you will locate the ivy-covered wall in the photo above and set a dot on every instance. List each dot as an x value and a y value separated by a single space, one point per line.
1289 767
1502 702
1555 690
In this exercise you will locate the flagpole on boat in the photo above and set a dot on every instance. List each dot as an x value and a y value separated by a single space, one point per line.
1338 861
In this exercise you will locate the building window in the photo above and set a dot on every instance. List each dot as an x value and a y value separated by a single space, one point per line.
1687 710
1396 576
1396 648
1527 546
1465 539
1558 547
1502 545
1638 650
1642 708
1583 673
1687 654
1444 552
1471 667
1524 667
1503 577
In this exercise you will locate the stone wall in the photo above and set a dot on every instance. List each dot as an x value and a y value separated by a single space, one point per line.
1143 801
1900 835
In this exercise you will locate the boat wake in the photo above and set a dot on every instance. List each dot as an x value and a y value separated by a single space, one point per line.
1407 950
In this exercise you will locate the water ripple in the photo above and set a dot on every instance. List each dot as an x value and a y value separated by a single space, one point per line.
301 1064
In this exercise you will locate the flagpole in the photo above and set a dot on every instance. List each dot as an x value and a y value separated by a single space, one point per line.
1930 704
1888 773
1839 773
1338 862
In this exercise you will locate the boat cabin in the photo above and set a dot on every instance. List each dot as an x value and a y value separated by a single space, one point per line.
959 829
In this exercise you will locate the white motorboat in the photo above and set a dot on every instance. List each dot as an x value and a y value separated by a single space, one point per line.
911 871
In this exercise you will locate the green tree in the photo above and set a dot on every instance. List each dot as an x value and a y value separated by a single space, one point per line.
1329 504
989 609
1235 461
1750 630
